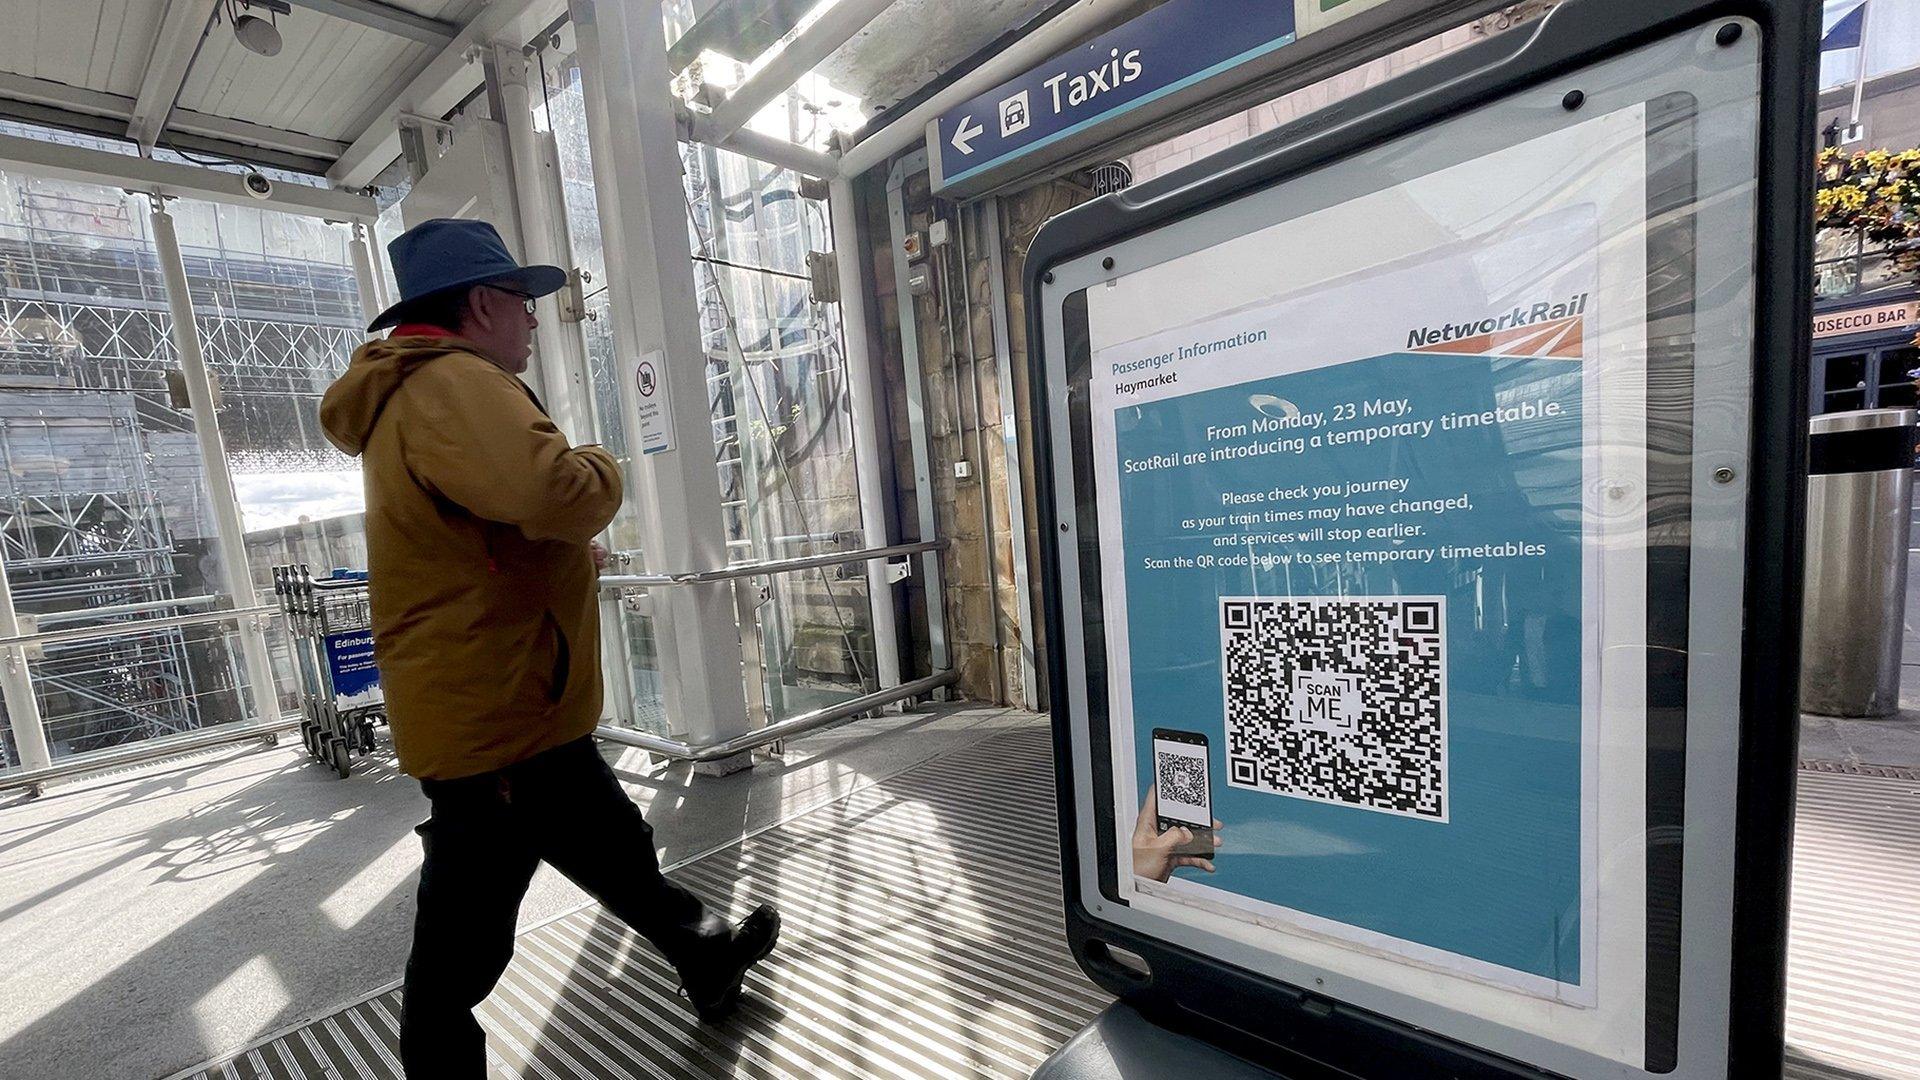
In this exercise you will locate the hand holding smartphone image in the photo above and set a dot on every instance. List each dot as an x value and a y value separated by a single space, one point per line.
1157 854
1178 829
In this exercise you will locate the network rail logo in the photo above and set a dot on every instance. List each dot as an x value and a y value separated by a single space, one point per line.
1547 329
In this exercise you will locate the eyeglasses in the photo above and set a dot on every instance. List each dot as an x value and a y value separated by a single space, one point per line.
525 298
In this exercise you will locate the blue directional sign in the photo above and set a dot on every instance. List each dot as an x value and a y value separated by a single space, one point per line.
1166 50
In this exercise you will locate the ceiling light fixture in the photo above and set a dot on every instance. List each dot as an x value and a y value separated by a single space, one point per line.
255 34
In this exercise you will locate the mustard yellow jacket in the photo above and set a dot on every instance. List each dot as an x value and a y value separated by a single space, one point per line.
485 619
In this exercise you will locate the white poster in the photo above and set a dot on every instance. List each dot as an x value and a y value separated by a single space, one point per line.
1371 497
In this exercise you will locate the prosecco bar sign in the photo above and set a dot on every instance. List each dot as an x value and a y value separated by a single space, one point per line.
1834 324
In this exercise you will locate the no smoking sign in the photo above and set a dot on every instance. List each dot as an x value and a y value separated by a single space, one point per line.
656 423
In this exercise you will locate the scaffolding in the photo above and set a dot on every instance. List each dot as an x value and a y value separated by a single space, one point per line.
104 515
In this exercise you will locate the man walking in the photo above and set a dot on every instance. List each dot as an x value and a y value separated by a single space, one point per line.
480 521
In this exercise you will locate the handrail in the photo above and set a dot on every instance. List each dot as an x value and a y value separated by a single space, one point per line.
175 745
772 733
116 610
148 750
92 633
770 566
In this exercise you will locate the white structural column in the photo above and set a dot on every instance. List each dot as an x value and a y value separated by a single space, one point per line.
230 534
643 217
23 709
361 249
561 346
849 256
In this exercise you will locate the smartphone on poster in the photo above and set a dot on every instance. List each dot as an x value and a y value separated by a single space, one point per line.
1183 789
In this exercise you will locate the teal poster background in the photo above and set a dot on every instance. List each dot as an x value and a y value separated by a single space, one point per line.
1497 469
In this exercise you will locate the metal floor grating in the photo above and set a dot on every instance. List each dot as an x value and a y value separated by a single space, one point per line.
1889 772
918 942
1853 955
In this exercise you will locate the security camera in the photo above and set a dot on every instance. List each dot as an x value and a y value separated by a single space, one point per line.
257 184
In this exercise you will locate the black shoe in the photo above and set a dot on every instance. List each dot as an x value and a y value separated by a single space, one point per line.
713 987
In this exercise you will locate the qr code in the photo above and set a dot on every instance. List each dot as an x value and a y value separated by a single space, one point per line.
1183 779
1338 700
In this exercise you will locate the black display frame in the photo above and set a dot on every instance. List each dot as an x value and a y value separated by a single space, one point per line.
1310 1034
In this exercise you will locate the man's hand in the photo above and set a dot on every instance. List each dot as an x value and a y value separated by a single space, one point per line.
599 555
1154 855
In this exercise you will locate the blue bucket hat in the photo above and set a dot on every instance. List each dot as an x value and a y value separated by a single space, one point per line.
445 254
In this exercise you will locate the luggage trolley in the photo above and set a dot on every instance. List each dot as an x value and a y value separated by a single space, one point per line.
340 694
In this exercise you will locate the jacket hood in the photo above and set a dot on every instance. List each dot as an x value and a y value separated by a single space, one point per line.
353 403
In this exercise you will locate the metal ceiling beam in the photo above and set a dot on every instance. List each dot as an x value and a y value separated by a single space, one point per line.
762 147
83 165
114 132
79 99
777 151
182 29
803 51
385 18
443 83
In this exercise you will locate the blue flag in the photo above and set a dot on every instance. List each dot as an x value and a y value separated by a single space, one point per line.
1846 33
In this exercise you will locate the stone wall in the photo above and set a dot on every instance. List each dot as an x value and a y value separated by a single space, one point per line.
965 422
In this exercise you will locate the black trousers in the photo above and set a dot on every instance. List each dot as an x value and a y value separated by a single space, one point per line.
483 842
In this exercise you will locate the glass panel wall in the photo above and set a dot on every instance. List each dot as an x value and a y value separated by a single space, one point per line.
782 426
279 317
775 370
105 515
563 112
1846 265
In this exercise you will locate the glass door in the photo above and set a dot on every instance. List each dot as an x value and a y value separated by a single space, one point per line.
1866 377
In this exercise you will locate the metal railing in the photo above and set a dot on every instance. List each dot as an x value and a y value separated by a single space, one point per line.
779 730
767 732
767 567
93 633
114 611
151 749
141 753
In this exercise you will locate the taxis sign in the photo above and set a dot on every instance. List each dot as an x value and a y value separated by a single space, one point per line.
1174 46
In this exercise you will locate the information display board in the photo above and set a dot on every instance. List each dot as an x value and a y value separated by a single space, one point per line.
354 674
1402 508
1369 565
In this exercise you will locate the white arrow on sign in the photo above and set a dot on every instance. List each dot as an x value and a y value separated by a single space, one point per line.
964 135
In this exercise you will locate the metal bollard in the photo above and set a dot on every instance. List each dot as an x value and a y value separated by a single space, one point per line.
1859 498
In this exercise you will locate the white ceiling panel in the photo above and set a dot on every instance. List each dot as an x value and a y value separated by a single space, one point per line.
124 41
331 76
96 44
452 11
326 76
